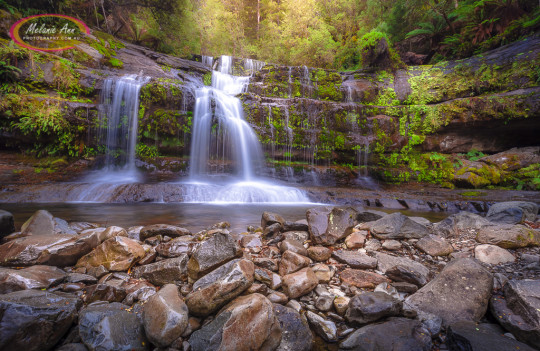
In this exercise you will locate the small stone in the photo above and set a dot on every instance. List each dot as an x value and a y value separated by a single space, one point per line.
372 245
434 245
356 240
355 259
341 304
319 253
324 328
324 303
492 254
292 262
277 297
391 245
323 272
300 283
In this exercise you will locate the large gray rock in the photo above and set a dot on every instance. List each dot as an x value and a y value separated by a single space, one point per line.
434 245
475 336
34 277
509 236
220 286
35 320
355 259
43 223
165 316
212 253
318 222
454 225
111 326
170 271
176 247
295 333
512 212
460 292
492 254
163 230
371 306
7 224
402 269
397 226
519 310
341 222
247 323
269 218
395 334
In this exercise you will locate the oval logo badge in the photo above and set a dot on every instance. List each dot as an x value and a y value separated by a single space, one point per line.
48 32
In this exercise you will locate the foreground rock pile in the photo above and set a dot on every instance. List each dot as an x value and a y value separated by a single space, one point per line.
358 279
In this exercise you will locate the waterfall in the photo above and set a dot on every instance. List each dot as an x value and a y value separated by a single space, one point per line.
208 60
251 66
289 80
220 134
362 154
118 120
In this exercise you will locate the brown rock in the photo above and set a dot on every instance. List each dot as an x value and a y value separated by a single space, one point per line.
323 272
292 262
362 279
355 259
163 230
293 246
278 297
272 280
268 263
172 270
115 254
103 292
176 247
509 236
34 277
300 283
356 240
434 245
319 253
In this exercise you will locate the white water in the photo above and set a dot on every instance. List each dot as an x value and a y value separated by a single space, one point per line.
221 137
118 122
207 60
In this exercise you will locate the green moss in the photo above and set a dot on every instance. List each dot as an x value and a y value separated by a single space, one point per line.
116 63
207 79
328 85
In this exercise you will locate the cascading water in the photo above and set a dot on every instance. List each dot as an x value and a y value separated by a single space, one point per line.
118 120
207 60
220 133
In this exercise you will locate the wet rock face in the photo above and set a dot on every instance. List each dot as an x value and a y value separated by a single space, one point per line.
7 224
395 334
173 270
165 316
104 326
247 323
512 212
509 236
519 310
295 332
211 254
371 306
220 286
460 292
115 254
474 336
35 320
397 226
34 277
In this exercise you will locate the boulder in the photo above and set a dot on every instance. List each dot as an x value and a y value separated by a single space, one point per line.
220 286
163 230
394 334
295 226
362 279
269 218
355 259
111 326
369 307
169 271
292 262
397 226
247 323
165 316
460 292
509 236
40 223
34 277
492 254
318 223
434 245
176 247
402 269
454 225
341 221
115 254
104 292
7 224
519 310
56 250
512 212
324 328
212 253
319 253
299 283
467 335
34 319
293 246
295 332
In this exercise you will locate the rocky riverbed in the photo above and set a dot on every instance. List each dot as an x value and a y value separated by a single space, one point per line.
344 278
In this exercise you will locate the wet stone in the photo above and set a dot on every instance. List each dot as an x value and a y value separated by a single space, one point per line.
172 270
355 259
162 229
369 307
319 253
34 277
296 335
362 279
292 262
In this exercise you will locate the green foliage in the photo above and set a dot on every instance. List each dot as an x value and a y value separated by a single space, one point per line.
474 155
146 151
116 63
207 79
8 73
